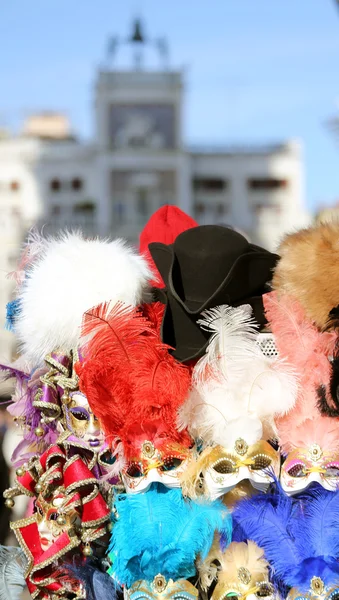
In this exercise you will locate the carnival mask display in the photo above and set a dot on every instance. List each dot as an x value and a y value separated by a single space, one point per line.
304 466
155 465
163 589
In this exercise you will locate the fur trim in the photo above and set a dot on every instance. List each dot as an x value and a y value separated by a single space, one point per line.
68 277
308 271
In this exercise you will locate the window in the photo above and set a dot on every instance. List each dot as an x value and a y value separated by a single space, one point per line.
86 207
199 208
260 208
266 184
55 185
55 210
77 184
142 202
221 209
15 186
209 184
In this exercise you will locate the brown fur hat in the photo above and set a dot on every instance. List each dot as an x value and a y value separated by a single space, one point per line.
309 271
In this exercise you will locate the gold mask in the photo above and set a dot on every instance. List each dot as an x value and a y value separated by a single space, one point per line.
164 589
223 468
55 516
81 421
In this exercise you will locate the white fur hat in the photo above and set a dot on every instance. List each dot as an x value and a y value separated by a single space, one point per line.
68 276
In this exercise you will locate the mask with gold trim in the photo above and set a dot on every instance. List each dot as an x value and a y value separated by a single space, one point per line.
81 421
55 515
135 386
304 466
218 470
164 589
237 394
316 591
241 571
159 460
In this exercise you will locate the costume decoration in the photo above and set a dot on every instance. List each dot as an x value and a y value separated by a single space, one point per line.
241 570
164 226
63 461
135 388
299 539
175 533
309 440
237 393
205 267
12 564
156 395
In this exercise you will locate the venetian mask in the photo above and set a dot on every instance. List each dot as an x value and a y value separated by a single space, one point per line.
55 516
317 591
223 468
80 420
304 466
164 589
163 465
244 587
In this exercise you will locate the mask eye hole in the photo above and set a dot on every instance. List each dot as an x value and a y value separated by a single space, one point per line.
296 470
265 590
332 470
261 462
79 415
53 516
223 466
134 470
170 464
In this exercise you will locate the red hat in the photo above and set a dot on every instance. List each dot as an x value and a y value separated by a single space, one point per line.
164 226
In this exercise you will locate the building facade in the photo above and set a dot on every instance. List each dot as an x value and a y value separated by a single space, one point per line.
137 162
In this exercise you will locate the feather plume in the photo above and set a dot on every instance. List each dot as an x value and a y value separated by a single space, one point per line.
308 351
175 532
321 536
84 273
236 556
237 390
268 521
129 377
298 536
12 569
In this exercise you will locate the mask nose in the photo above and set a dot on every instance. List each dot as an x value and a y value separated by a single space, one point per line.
93 427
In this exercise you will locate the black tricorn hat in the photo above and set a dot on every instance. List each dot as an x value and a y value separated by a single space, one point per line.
205 267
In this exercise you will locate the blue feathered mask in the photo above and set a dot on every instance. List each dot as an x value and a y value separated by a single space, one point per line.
300 537
161 532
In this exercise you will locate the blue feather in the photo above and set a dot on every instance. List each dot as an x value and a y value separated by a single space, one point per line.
13 310
300 537
161 532
266 519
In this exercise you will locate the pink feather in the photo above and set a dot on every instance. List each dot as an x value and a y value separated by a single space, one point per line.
308 351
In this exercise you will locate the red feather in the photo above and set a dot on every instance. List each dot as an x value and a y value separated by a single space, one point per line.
128 375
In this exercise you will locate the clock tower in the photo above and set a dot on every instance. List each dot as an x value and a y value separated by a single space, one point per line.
141 160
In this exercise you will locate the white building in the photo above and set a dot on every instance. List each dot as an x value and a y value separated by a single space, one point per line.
137 162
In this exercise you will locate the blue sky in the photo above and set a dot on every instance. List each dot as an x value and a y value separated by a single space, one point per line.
256 70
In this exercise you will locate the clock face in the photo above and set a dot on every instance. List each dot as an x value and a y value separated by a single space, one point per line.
142 126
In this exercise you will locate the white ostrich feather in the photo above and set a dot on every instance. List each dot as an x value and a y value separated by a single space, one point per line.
69 276
12 569
236 391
